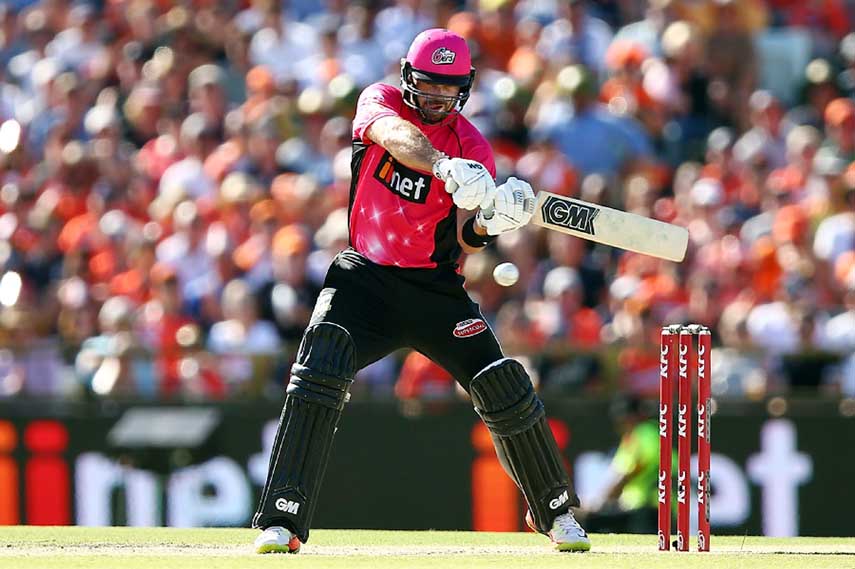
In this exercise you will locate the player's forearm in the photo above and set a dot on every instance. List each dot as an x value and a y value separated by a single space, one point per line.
615 491
405 142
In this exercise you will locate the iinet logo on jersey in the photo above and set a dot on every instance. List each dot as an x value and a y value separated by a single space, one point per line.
411 185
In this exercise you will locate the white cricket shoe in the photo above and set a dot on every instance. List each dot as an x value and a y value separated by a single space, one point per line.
277 539
566 533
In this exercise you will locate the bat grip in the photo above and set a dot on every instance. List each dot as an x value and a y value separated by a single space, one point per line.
487 212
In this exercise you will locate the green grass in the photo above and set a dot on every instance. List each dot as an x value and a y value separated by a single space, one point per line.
164 548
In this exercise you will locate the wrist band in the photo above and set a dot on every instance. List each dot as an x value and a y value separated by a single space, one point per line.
473 239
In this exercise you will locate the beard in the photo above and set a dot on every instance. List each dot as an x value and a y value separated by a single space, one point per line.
433 111
432 116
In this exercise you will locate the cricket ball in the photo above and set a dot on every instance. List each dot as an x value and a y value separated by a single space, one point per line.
506 274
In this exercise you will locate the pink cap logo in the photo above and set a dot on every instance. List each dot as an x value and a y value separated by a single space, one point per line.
442 56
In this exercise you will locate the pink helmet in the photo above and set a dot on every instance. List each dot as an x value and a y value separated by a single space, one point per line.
437 56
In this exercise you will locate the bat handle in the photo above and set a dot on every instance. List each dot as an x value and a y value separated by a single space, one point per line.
487 212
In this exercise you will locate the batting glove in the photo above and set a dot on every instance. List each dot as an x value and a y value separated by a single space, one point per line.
468 182
512 208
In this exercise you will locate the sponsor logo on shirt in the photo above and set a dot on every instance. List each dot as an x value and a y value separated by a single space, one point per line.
404 182
443 56
469 327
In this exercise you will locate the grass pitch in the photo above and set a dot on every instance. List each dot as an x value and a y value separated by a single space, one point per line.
166 548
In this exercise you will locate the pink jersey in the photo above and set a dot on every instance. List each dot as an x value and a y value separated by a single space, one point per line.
400 216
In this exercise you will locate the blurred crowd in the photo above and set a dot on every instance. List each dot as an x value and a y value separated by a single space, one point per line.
174 182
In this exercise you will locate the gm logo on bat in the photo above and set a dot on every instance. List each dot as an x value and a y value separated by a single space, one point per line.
572 215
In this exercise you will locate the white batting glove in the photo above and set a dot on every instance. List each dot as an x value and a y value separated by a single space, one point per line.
512 208
468 182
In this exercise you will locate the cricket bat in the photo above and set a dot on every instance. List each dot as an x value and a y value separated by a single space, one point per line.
611 226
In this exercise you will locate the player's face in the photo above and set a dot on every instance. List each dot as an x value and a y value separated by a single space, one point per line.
436 108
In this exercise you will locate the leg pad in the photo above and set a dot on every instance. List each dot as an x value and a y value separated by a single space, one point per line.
326 364
314 399
505 399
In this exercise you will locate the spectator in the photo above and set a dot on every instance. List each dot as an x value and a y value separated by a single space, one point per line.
363 56
114 363
828 21
185 250
563 315
78 46
733 70
765 138
260 161
802 145
161 319
648 31
819 90
497 37
205 86
397 25
545 167
638 358
679 85
568 251
280 44
518 330
835 235
11 42
594 140
253 256
839 336
774 326
707 196
65 114
624 90
840 128
244 344
187 176
288 297
576 37
628 502
225 158
846 78
737 367
330 238
143 110
30 67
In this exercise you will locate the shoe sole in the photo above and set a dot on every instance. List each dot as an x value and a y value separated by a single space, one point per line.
275 548
573 547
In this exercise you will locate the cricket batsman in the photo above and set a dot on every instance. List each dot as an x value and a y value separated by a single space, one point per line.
422 192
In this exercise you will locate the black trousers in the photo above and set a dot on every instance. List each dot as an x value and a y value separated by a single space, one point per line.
387 308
